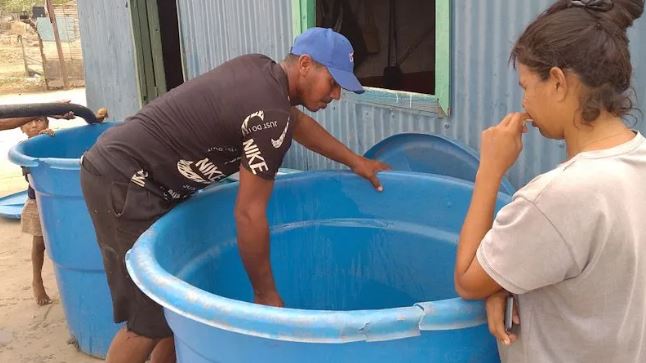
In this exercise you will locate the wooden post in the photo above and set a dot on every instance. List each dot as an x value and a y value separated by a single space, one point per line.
59 48
24 55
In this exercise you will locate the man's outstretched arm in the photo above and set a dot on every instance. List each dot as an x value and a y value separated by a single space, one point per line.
253 236
313 136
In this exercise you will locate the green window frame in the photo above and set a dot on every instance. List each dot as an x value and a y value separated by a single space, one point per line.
304 17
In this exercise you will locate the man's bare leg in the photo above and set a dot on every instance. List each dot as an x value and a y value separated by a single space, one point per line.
164 351
37 260
128 347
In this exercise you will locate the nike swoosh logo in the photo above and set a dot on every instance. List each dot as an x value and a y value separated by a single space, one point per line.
278 143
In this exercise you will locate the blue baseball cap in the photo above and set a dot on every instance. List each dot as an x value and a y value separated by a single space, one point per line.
332 50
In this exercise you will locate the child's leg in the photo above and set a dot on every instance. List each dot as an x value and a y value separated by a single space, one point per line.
37 259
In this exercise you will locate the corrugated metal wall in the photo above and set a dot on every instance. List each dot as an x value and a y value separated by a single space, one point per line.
108 55
484 86
213 32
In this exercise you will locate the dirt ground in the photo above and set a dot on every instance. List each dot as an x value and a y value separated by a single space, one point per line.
29 333
12 66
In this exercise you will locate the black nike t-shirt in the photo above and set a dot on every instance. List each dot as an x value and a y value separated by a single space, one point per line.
202 131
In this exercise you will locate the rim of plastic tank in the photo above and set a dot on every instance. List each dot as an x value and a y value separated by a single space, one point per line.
505 185
297 325
18 156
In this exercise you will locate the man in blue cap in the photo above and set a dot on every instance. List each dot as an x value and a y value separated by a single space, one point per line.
241 116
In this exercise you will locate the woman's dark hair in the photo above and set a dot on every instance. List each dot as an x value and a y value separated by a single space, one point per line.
587 37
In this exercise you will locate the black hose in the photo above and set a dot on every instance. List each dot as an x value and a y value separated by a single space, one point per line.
47 109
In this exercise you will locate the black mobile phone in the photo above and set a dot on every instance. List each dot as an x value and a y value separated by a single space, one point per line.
509 310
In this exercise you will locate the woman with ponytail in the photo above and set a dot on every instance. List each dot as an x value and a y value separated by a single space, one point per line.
571 246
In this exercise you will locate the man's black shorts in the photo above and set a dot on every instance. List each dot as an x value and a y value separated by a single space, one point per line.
121 211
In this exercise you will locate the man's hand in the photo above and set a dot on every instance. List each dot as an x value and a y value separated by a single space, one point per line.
496 304
501 144
271 299
101 114
368 169
49 132
67 116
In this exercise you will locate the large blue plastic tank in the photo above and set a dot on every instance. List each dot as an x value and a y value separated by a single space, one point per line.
54 163
365 276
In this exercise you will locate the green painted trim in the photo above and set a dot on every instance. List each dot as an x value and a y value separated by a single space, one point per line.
148 49
139 59
397 99
443 54
303 15
182 45
156 50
